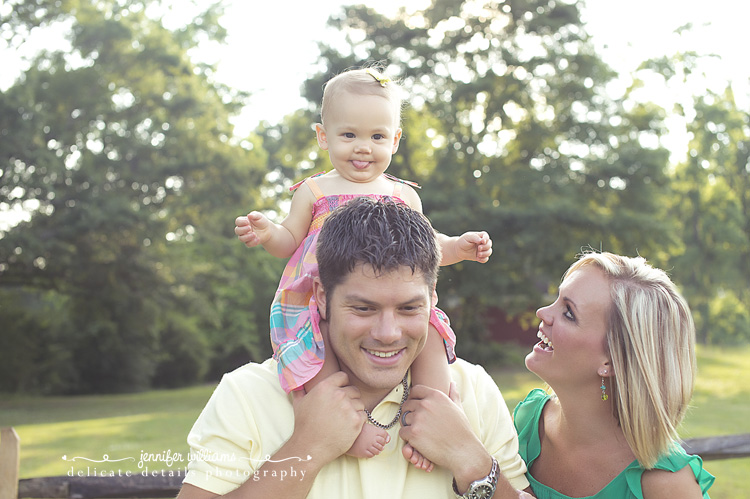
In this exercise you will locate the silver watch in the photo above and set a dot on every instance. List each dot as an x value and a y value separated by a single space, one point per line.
483 488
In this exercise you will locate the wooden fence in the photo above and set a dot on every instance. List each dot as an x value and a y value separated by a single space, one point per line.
139 486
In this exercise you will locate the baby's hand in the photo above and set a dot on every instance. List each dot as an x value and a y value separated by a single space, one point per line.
253 229
475 246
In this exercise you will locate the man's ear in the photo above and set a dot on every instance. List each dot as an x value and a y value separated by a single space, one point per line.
320 133
320 297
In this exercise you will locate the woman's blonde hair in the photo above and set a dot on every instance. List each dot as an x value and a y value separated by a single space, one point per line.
364 81
651 340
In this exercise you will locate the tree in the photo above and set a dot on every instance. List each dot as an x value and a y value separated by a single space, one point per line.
122 151
511 130
710 199
713 206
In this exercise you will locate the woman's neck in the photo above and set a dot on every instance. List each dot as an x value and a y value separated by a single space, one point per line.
582 416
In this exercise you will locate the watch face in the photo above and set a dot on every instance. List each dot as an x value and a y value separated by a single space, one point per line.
483 491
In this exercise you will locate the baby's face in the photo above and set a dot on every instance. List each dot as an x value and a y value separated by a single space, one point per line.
361 135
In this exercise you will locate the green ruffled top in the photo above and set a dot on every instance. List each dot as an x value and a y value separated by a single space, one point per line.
626 485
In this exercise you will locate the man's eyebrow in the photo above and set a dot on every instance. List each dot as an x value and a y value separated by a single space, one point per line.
358 298
353 297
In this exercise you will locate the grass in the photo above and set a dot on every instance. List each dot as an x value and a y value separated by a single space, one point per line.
57 433
124 428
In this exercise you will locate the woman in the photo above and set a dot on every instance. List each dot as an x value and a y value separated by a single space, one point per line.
617 347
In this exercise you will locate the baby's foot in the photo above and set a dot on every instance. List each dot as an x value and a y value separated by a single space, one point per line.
370 442
414 457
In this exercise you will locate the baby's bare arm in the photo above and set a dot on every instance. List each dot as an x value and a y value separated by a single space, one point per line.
474 246
280 240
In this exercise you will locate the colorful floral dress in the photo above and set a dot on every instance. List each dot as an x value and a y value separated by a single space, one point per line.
295 323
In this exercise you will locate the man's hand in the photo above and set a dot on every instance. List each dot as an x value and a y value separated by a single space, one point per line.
439 430
329 418
437 426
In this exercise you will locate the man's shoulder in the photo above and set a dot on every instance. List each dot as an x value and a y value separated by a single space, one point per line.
466 374
254 378
466 368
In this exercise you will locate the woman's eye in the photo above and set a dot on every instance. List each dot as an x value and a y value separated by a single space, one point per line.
568 314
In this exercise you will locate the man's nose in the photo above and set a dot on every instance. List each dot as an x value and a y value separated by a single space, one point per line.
387 330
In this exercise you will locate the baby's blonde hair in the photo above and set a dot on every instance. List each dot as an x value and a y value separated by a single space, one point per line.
364 81
651 340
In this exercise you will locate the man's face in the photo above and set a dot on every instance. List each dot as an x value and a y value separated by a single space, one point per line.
377 325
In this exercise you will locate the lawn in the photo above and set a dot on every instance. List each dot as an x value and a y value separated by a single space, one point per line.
117 433
104 433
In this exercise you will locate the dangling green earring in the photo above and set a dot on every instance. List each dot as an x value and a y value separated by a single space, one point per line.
604 390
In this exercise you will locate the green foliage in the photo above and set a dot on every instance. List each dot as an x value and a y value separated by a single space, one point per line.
510 131
710 204
122 152
128 275
728 320
37 363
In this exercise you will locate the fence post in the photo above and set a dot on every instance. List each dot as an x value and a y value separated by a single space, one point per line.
10 460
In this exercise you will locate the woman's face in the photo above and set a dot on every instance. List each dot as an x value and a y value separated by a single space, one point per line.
573 331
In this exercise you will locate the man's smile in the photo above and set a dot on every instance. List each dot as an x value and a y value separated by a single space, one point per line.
383 355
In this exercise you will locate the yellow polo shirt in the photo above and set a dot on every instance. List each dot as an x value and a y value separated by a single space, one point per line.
249 417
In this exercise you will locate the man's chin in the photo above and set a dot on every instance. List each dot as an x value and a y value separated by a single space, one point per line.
391 379
379 379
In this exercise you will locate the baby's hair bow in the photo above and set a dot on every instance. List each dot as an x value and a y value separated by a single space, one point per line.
380 79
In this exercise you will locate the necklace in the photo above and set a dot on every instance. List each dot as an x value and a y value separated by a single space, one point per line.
390 425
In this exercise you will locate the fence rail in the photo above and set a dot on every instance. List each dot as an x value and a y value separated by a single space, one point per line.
158 485
724 447
64 487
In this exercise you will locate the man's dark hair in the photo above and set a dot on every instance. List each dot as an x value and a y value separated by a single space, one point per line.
384 235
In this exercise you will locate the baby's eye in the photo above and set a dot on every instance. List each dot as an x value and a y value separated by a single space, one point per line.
349 135
378 136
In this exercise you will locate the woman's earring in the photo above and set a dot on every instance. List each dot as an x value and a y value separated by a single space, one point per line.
604 390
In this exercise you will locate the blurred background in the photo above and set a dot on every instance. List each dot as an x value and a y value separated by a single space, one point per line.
133 132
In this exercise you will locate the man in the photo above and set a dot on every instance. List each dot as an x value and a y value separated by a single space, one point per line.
378 266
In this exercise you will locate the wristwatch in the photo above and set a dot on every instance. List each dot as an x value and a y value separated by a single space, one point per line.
483 488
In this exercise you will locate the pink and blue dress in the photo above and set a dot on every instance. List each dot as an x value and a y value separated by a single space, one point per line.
295 323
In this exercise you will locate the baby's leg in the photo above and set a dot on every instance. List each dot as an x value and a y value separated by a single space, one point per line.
371 440
429 368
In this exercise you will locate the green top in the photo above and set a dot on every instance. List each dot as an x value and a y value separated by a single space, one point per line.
626 485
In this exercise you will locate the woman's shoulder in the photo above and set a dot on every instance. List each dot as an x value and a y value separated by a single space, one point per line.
665 483
535 398
527 413
679 473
